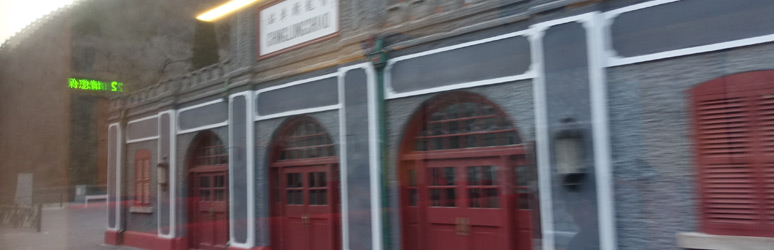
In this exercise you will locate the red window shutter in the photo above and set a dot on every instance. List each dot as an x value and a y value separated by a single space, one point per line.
137 181
734 141
142 178
146 182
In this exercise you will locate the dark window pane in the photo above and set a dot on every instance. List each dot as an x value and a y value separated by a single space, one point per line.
322 197
492 198
313 197
450 197
412 197
204 181
412 177
435 197
474 195
490 175
522 175
220 195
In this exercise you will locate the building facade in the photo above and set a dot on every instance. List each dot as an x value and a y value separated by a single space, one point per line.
458 125
44 115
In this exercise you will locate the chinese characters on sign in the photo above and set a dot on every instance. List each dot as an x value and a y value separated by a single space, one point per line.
293 22
94 85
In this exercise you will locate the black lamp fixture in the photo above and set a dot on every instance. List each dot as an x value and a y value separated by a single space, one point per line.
163 173
569 153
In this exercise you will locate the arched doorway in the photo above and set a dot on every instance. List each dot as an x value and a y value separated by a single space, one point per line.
208 220
304 188
464 178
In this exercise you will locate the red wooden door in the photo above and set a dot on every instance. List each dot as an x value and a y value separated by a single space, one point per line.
209 228
465 208
464 178
308 204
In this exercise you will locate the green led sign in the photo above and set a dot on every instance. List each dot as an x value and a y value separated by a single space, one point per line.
95 85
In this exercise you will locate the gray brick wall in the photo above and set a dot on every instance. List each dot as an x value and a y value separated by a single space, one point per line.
140 222
652 153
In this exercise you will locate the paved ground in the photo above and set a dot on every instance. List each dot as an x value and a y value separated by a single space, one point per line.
72 227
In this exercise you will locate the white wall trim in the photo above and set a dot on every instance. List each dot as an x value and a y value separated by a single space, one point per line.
210 126
148 138
541 135
142 119
375 159
117 180
392 95
389 92
600 131
297 112
619 61
613 59
128 141
250 148
249 155
639 6
343 170
171 175
259 117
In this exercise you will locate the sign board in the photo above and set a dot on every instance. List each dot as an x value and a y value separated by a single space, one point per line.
24 189
95 85
293 22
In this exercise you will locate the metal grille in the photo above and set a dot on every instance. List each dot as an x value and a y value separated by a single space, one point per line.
306 140
466 125
211 151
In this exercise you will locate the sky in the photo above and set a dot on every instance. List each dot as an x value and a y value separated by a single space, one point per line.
17 14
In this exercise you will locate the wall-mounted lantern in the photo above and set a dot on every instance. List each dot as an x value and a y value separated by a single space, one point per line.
162 173
569 153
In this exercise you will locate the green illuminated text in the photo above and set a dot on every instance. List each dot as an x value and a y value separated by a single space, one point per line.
95 85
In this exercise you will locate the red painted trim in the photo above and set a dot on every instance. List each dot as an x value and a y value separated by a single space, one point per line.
152 241
252 248
112 237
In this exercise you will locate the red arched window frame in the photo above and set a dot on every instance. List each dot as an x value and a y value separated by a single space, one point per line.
472 133
733 132
142 178
209 151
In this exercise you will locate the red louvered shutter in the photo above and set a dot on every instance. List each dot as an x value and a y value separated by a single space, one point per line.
146 183
142 177
137 181
734 141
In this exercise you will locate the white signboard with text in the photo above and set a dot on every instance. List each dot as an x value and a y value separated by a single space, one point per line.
293 22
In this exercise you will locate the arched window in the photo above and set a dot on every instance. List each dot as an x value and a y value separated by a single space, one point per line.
305 139
465 123
733 119
210 151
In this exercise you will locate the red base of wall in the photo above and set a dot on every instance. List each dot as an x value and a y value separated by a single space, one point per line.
152 241
111 237
252 248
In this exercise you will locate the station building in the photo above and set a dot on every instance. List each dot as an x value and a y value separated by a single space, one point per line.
458 125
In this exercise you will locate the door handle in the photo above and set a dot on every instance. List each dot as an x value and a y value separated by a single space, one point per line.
305 220
463 226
